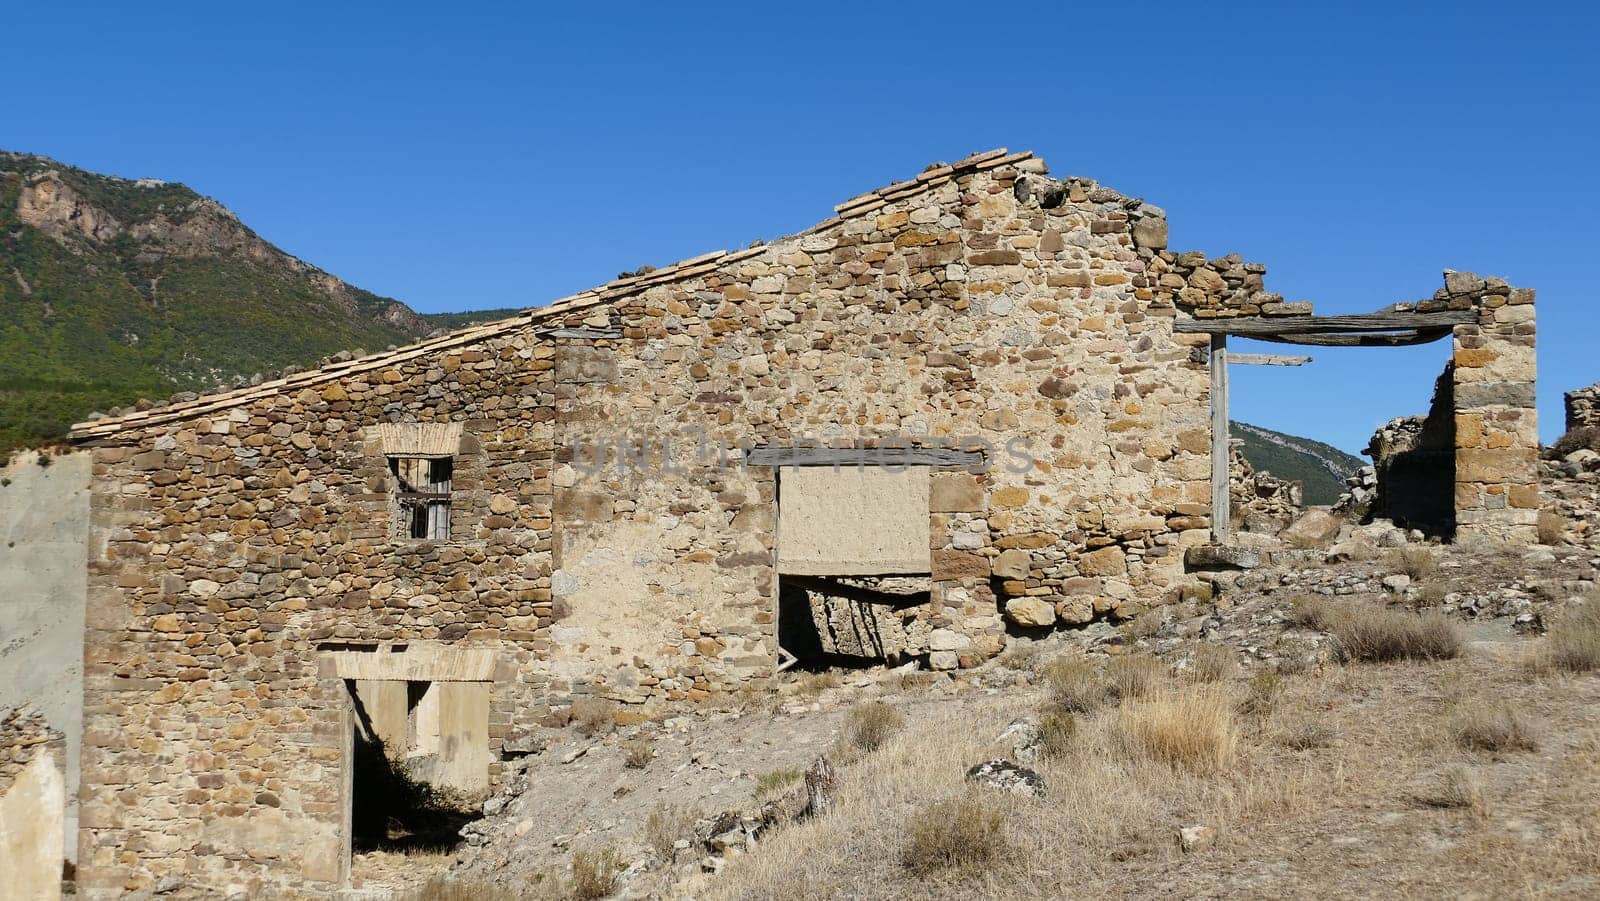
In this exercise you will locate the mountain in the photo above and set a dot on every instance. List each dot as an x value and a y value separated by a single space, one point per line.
1323 468
114 289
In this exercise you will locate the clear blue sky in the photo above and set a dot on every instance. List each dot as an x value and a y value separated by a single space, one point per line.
475 155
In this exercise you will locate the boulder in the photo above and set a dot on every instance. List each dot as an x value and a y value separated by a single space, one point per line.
1005 776
1317 526
1025 740
1222 556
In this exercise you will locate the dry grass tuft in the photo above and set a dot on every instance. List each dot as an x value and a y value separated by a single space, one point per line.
870 725
1552 527
1499 728
1212 663
1189 728
1073 685
1315 612
1573 642
1261 693
1057 729
1417 562
816 683
593 716
957 833
1384 636
637 754
1133 676
665 825
594 873
443 888
1459 789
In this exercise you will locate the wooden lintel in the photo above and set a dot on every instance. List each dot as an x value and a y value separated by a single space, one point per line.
1349 339
1267 360
1382 321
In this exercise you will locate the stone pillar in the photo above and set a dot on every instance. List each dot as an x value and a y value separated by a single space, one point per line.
1497 435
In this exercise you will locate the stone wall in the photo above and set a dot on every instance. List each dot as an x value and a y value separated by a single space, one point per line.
1414 465
1262 502
32 805
1583 407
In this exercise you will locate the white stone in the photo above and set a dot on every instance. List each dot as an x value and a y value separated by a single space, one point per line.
204 588
1030 612
943 660
948 640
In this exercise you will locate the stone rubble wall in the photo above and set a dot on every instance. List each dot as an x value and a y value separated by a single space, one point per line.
1583 407
1261 500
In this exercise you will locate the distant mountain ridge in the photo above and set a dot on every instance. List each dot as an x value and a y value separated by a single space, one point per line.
1322 467
115 289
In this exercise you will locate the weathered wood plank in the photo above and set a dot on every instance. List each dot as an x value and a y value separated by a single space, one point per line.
1348 339
1221 502
1267 360
1382 321
870 456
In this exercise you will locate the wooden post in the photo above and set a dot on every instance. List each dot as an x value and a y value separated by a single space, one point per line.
1221 500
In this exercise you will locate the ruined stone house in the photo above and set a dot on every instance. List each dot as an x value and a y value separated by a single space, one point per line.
972 405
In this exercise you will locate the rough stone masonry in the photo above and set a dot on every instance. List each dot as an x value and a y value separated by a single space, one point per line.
256 553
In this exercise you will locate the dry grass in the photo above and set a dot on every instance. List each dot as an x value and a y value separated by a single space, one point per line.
1307 735
1417 562
1552 527
1385 636
637 754
868 726
1057 729
665 825
1315 612
1370 634
968 831
1185 728
1479 727
1261 693
1573 642
593 716
1459 789
1132 676
594 873
1212 663
1073 685
816 683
